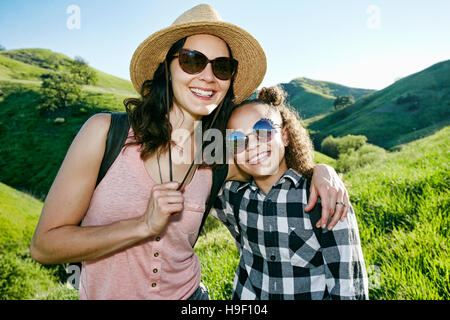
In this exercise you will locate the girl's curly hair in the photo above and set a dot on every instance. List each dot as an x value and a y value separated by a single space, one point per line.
299 153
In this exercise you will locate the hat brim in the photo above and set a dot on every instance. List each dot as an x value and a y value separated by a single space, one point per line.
245 48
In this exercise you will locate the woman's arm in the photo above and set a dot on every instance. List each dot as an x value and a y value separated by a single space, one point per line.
327 185
58 237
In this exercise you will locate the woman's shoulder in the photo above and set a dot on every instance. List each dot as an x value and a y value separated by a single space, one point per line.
100 121
92 136
96 127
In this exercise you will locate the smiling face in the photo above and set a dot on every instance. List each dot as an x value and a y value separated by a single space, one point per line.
199 94
259 158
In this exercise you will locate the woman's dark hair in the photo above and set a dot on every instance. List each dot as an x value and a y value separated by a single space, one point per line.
148 114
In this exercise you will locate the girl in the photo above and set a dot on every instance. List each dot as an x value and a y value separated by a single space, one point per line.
283 254
137 229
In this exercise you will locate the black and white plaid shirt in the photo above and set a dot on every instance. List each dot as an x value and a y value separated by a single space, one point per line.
282 253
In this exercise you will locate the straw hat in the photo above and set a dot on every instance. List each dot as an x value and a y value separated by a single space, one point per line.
203 19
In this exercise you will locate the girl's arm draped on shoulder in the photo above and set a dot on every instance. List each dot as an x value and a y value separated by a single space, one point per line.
58 237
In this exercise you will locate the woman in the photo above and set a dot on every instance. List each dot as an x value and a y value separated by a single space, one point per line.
137 229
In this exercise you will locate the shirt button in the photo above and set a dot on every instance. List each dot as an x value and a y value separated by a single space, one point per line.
155 270
272 257
158 238
156 254
153 284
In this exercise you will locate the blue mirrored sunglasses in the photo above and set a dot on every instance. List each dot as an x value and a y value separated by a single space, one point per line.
262 129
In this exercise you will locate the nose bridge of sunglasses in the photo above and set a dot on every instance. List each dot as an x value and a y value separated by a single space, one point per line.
208 71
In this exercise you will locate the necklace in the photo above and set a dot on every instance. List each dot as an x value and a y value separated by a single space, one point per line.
159 167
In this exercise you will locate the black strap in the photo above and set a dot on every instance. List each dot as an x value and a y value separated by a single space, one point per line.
219 176
118 132
117 135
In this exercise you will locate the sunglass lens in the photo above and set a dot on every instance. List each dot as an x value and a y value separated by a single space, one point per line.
192 62
263 129
223 68
236 141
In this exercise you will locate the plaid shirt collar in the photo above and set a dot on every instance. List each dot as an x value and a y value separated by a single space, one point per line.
290 174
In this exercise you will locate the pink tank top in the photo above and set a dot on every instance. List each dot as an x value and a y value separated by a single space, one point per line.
162 267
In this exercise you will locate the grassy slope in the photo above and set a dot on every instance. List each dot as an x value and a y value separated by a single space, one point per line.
29 140
387 123
20 276
402 206
12 66
312 97
321 158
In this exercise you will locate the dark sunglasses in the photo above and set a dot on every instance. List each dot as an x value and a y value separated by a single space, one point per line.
194 62
263 130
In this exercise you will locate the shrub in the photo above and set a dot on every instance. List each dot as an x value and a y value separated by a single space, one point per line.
82 72
365 155
343 101
22 278
334 147
408 98
59 91
329 146
348 142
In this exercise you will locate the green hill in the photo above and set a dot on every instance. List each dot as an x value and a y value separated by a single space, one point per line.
30 64
312 97
402 202
39 142
402 206
409 109
20 276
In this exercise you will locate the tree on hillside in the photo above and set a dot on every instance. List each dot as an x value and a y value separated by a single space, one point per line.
343 101
59 91
334 147
82 71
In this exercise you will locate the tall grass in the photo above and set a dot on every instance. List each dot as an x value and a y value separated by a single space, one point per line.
402 205
20 276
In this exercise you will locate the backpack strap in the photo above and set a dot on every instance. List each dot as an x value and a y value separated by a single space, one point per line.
219 176
117 135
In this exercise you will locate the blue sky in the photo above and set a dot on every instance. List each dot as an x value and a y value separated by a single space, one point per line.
366 44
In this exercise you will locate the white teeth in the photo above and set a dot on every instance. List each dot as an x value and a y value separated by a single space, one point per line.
202 93
258 157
